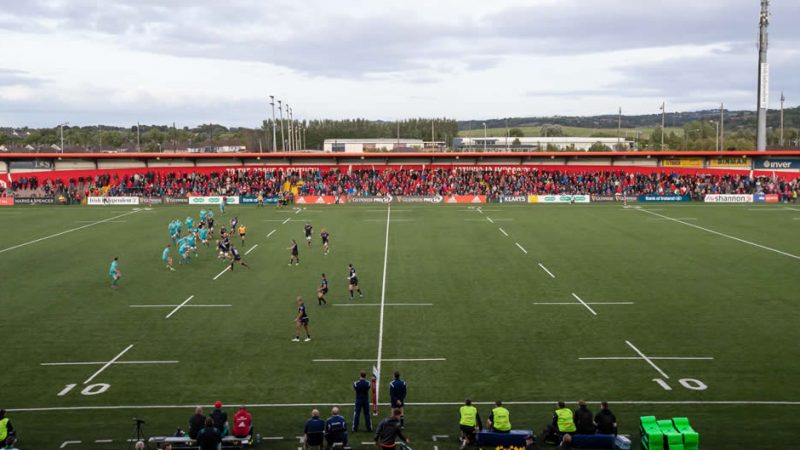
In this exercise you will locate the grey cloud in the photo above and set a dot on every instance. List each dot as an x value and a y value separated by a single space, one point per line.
12 77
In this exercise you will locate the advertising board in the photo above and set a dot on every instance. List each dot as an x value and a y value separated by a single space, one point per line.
95 201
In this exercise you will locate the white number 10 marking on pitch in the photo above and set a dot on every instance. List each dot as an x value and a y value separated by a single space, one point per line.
92 389
688 383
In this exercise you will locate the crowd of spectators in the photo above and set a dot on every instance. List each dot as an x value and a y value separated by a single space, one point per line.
492 182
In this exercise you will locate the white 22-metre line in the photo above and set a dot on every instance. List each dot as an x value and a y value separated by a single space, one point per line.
383 304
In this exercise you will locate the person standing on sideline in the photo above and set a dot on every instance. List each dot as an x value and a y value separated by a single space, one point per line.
606 420
362 388
469 421
397 395
209 438
500 419
301 321
389 431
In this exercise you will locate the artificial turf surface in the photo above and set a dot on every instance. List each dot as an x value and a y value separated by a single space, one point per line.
694 293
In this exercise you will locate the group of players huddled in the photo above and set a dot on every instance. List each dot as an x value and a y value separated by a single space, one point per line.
187 243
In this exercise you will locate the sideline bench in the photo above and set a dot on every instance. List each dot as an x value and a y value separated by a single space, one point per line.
513 437
187 443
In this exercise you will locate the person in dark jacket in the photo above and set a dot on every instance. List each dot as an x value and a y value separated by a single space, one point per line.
336 429
390 430
606 420
220 418
584 422
209 438
314 432
397 395
362 388
196 422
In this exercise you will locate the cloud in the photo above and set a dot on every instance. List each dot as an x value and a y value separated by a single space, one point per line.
13 77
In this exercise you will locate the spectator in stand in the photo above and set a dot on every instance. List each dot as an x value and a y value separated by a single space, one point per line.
220 418
606 420
314 432
242 423
584 422
210 437
196 422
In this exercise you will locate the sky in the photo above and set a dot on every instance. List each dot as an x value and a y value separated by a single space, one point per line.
119 62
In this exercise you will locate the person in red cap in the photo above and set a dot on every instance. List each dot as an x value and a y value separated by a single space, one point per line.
220 418
242 423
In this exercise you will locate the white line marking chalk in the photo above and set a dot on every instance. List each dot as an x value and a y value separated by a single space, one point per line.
504 232
106 365
251 249
521 248
648 360
220 274
545 269
271 232
387 360
584 304
179 306
96 363
286 221
383 304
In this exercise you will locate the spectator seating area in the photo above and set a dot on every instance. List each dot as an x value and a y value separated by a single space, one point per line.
492 182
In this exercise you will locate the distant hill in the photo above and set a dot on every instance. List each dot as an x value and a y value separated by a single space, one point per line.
733 120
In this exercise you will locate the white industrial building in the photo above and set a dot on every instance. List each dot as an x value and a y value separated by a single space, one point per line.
372 145
580 144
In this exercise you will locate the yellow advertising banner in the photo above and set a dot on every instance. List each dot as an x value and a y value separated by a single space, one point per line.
533 199
729 162
682 162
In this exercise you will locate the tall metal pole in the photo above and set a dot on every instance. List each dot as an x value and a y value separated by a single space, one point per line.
663 118
289 125
721 126
763 78
484 137
783 99
619 129
506 134
274 133
61 125
283 137
138 141
305 141
398 133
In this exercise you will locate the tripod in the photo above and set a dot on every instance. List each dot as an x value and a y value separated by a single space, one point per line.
137 435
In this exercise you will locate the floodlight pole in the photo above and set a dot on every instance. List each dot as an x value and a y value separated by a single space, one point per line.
485 138
138 137
663 119
619 129
783 99
721 126
274 134
283 137
763 78
61 126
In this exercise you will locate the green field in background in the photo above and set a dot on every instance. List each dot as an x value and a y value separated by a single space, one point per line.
533 131
695 292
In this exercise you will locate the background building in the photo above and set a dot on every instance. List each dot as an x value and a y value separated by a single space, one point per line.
581 144
373 145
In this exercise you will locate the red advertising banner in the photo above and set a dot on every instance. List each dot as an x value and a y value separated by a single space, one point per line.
465 199
6 201
771 198
320 200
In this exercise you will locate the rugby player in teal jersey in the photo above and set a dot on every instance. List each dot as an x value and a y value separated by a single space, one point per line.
165 256
114 272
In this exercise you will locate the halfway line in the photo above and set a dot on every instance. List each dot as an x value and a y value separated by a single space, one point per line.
678 358
95 363
383 306
388 360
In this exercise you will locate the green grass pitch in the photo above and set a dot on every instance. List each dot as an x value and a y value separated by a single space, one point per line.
722 282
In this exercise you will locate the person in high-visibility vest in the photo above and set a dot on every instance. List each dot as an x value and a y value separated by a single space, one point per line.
563 419
469 421
500 419
6 429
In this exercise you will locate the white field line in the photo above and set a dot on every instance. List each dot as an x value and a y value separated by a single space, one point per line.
68 231
383 220
66 443
675 358
648 360
792 209
251 249
96 363
521 248
708 230
584 304
383 305
433 404
172 306
106 365
383 210
768 209
272 220
388 360
271 233
272 438
298 211
103 441
223 271
107 221
489 219
658 219
286 221
504 232
180 306
545 269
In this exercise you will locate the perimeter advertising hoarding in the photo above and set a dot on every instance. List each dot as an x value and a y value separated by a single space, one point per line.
356 199
766 198
739 163
250 200
319 200
6 201
34 200
663 198
418 199
559 199
728 198
776 164
214 200
513 199
682 162
465 199
112 201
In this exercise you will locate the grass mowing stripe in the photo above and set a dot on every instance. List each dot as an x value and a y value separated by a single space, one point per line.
721 234
67 231
383 306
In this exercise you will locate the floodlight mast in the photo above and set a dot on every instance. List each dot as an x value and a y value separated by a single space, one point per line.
763 78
